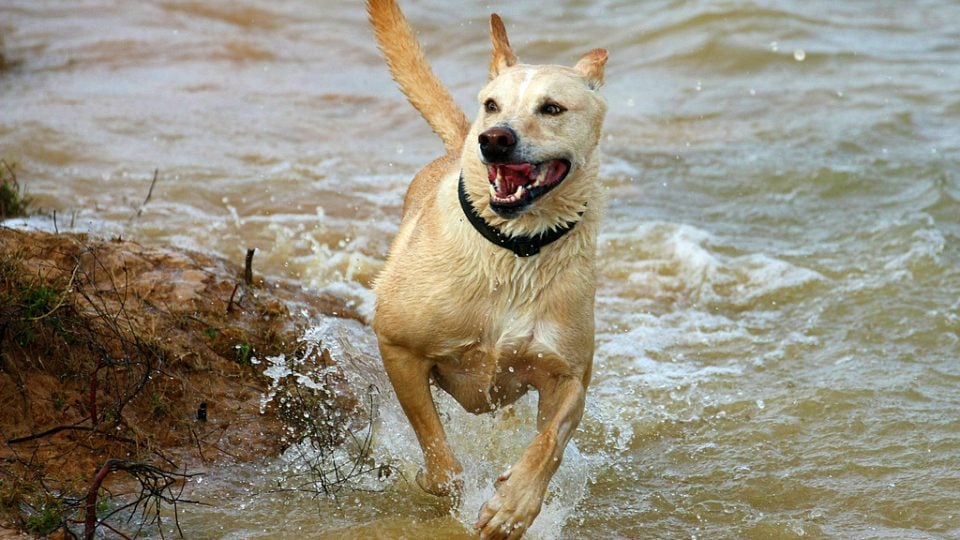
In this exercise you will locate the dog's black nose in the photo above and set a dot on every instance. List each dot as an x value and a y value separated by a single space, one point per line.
497 143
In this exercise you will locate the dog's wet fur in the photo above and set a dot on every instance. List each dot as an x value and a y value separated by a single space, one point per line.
472 317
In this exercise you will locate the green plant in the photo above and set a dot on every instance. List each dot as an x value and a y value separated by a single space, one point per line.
103 501
244 351
13 203
59 400
44 522
40 301
158 407
31 306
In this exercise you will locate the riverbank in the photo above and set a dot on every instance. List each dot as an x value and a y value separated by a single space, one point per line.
110 350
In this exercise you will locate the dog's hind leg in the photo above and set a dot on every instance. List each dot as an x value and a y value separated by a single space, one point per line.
520 492
410 377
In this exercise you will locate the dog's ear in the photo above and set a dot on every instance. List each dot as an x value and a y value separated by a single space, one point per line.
503 56
591 67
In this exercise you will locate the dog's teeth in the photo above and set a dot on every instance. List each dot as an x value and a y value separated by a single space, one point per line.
498 181
519 192
541 176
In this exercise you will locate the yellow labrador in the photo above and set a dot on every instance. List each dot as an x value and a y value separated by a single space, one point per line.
488 289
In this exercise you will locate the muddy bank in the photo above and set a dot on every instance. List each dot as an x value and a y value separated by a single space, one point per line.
113 350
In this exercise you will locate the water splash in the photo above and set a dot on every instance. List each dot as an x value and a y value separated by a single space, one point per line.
486 445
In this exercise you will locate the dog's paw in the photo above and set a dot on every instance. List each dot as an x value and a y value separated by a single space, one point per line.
443 484
511 511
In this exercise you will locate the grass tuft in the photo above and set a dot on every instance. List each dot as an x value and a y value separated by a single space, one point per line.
13 203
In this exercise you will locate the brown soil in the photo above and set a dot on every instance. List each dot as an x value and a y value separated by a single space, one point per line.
109 349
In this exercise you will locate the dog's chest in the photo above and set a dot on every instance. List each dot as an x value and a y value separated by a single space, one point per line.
502 322
501 365
520 332
504 335
508 334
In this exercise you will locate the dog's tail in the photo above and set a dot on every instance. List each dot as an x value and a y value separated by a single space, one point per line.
410 69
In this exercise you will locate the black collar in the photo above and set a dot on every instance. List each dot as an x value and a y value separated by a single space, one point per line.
522 246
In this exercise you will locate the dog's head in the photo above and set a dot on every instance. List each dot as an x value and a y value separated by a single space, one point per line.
536 134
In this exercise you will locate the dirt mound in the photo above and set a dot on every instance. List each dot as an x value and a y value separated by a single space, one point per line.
112 350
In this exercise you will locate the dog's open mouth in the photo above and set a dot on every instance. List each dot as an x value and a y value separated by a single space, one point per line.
514 186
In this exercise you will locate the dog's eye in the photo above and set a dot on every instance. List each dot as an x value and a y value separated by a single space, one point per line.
551 109
491 106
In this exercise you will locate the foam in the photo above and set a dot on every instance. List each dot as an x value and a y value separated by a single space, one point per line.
674 316
924 247
672 263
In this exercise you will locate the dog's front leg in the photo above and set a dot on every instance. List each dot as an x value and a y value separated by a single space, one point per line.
410 376
521 489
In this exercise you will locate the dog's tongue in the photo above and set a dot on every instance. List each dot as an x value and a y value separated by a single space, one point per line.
512 175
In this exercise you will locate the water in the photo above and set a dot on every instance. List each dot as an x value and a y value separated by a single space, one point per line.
779 305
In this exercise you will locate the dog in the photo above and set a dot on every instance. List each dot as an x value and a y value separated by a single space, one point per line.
488 287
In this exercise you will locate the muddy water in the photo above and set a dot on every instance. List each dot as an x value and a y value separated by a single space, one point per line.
779 305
